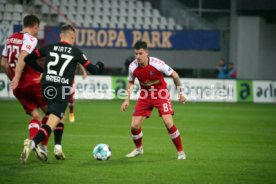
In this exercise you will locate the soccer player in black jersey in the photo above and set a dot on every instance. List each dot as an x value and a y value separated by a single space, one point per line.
58 75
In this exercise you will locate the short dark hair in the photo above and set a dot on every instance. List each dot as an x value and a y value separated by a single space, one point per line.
140 45
67 27
30 21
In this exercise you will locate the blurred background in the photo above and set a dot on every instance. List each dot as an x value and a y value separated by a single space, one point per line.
198 38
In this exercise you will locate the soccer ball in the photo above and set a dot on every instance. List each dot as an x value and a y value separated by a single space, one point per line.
102 152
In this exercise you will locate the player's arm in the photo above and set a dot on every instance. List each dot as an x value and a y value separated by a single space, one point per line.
19 69
179 88
129 90
31 60
167 70
5 66
91 68
5 63
28 46
83 71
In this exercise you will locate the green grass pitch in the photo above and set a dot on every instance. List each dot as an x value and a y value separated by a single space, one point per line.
225 143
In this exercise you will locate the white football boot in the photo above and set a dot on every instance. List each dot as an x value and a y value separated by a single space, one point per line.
58 152
40 153
27 147
136 152
181 156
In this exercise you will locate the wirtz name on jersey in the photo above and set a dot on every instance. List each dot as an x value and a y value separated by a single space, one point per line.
56 79
62 49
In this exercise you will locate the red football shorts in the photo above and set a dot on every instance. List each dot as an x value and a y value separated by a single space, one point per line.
30 98
144 107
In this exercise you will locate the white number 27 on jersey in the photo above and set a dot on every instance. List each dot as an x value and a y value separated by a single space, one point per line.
67 58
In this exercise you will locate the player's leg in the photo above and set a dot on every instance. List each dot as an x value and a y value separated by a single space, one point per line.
137 135
58 132
72 105
174 134
166 111
30 108
43 133
34 123
142 111
44 143
37 97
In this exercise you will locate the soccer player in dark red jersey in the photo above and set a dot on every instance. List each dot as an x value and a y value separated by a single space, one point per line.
149 71
28 90
61 60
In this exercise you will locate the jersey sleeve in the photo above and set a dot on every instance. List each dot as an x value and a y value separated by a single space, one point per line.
82 59
31 58
5 52
166 69
29 43
161 66
132 66
130 75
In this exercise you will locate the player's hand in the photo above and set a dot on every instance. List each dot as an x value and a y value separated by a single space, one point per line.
84 75
100 65
182 99
37 80
125 105
14 83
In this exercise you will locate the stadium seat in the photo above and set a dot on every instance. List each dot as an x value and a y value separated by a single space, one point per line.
106 12
18 8
95 25
112 25
155 13
16 16
120 25
147 13
147 5
129 26
9 8
146 26
179 27
2 9
3 1
122 19
38 3
7 16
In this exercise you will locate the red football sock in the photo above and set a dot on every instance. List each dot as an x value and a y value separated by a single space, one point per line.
33 127
71 103
45 141
137 136
175 136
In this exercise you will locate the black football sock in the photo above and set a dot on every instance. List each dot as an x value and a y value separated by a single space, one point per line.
58 133
43 133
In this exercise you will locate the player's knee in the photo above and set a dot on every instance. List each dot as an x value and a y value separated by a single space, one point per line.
36 116
135 128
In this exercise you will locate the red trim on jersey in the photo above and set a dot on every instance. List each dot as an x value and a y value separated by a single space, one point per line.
45 132
59 128
37 52
86 64
65 42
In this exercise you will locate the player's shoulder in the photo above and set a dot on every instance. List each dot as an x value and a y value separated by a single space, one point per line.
133 65
29 37
156 62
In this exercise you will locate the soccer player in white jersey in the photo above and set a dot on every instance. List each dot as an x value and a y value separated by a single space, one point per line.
149 71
